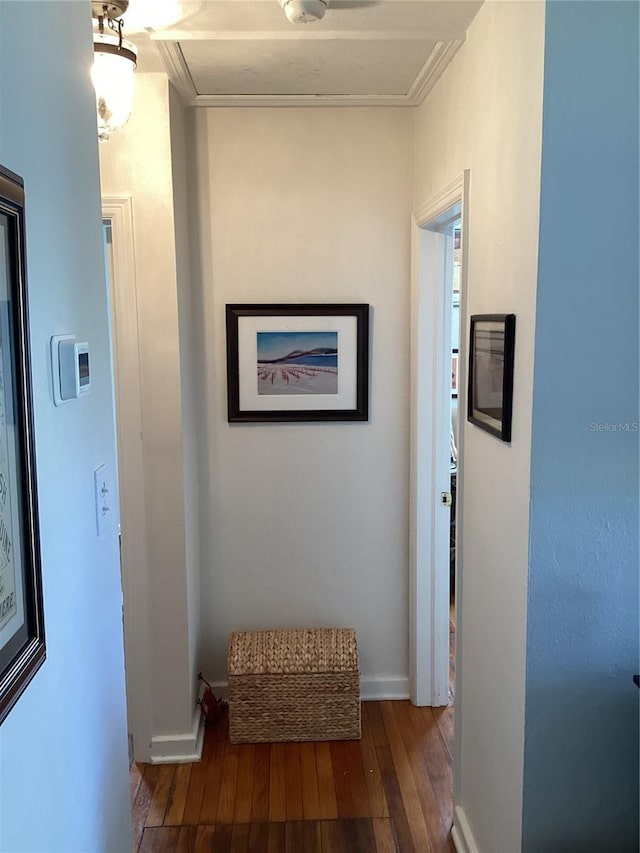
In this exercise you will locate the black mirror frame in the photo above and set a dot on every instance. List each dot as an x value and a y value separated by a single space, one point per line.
501 427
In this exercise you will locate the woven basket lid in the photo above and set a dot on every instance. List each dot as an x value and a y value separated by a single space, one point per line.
292 651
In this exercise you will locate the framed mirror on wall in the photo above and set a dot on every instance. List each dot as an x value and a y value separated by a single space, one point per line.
22 642
490 392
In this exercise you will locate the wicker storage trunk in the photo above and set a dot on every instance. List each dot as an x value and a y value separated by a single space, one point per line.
293 685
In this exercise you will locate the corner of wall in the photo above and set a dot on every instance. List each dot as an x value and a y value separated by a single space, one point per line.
138 161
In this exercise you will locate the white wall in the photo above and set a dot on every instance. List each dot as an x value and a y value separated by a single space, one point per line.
63 747
137 161
485 115
307 524
181 160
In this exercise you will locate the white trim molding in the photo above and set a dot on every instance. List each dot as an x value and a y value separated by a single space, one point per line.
432 70
179 748
381 687
461 834
442 201
375 687
303 34
301 101
178 72
430 431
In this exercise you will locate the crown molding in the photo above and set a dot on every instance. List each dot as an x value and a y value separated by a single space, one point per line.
301 101
301 34
178 72
432 70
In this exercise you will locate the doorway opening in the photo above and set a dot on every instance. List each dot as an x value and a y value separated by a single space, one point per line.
437 444
456 401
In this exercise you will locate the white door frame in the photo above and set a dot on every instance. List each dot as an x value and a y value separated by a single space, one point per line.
430 438
133 525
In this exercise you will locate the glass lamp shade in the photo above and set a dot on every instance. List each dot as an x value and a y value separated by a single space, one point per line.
112 76
156 14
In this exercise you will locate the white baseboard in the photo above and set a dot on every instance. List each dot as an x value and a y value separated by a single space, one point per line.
187 747
179 748
376 687
461 833
220 689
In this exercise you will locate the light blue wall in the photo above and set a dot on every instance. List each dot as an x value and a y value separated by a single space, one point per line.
63 748
581 729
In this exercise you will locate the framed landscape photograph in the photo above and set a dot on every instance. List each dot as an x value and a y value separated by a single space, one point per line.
491 351
297 362
22 646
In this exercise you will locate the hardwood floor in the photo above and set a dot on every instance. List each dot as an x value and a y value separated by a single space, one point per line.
390 792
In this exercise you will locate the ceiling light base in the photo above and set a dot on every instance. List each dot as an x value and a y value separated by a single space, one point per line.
304 11
112 9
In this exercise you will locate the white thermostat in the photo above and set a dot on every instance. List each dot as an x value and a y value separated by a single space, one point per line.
70 368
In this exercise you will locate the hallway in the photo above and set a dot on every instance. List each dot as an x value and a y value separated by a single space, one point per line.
391 791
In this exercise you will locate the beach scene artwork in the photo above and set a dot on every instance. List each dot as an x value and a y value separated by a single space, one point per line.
297 363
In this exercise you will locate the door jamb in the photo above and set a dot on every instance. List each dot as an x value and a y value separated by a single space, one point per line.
127 391
430 395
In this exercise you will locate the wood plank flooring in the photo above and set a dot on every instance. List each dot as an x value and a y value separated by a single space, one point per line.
390 792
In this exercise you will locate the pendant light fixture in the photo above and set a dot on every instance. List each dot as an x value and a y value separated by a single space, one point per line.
114 61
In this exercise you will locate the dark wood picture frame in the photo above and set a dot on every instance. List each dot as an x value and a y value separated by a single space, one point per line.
22 640
490 391
344 392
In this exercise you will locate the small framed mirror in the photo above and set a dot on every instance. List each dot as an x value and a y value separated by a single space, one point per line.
490 394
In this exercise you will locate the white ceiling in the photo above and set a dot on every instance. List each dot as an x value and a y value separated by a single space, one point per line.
245 52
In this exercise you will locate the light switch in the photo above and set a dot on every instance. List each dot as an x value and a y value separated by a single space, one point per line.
105 498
